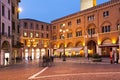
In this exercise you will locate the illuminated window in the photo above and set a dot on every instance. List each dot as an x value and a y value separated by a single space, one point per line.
25 34
31 34
62 25
37 35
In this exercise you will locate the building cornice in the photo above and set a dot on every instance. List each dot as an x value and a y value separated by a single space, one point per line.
90 9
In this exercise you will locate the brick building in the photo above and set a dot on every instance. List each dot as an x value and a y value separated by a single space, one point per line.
90 31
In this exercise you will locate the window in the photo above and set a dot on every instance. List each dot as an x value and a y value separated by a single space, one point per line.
31 34
69 23
8 1
9 31
47 35
91 18
42 35
106 28
31 26
61 36
42 27
78 21
69 35
3 28
37 26
54 27
37 35
25 34
9 14
62 25
25 24
13 10
3 10
78 33
47 28
91 31
106 13
118 26
13 25
18 29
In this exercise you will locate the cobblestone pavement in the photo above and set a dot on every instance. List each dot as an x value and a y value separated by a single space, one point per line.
71 69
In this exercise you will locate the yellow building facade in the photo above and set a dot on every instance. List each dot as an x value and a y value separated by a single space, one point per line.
35 35
94 30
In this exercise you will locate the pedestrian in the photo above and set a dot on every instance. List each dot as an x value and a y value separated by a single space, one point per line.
6 60
117 57
88 56
111 57
52 57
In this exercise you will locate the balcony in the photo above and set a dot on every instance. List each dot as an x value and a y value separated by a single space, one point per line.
18 45
5 35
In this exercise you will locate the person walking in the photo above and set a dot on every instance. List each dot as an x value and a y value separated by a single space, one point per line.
111 57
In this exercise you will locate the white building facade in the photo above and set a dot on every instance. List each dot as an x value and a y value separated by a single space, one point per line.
5 32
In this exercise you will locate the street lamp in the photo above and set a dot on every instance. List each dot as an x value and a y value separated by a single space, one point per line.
63 31
31 42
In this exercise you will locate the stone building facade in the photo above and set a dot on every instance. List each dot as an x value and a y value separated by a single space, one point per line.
90 31
35 35
6 19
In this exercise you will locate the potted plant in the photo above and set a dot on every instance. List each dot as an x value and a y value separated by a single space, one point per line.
96 58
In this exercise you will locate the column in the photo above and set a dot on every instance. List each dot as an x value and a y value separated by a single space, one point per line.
114 50
99 50
86 51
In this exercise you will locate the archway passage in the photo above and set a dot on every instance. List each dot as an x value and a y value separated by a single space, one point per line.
91 47
5 45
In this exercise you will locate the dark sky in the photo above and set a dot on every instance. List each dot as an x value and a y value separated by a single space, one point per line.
48 10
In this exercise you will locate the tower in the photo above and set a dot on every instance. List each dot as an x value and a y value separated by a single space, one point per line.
85 4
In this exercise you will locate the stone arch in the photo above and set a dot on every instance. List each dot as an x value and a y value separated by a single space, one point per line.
106 41
91 46
61 45
6 45
78 44
91 25
106 23
70 44
78 29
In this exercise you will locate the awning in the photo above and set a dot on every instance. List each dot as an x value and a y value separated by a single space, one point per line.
69 49
109 45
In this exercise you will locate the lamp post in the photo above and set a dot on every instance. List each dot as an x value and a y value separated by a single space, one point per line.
63 31
31 46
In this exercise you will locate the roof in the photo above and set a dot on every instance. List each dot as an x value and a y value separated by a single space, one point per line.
33 20
89 9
